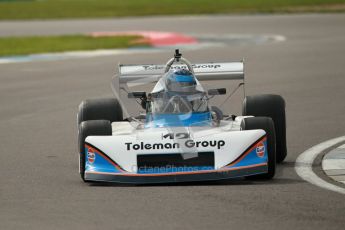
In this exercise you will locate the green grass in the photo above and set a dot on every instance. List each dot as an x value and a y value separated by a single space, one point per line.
31 45
48 9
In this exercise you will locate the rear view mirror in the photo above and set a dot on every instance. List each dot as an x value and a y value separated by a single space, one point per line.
220 91
137 95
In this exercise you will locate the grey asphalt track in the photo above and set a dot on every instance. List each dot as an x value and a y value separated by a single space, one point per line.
40 187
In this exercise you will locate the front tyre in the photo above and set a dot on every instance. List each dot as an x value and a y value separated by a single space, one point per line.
90 128
273 106
265 123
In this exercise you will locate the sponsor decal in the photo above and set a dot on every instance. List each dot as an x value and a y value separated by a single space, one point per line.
188 144
260 149
91 156
175 67
206 66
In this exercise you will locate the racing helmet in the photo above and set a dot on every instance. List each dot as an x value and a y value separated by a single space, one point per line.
181 80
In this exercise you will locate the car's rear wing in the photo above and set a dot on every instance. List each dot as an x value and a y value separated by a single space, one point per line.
203 71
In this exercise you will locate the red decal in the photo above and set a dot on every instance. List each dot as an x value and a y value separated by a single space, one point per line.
260 149
91 156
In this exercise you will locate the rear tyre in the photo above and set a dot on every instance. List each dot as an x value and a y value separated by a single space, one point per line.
265 123
273 106
90 128
100 109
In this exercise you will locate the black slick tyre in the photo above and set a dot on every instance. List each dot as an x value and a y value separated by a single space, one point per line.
100 109
265 123
90 128
273 106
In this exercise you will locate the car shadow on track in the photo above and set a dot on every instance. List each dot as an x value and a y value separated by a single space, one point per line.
279 179
227 182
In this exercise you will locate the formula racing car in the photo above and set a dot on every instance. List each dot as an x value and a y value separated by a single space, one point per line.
162 126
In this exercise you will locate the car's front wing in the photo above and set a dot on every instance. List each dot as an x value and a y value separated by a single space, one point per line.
252 161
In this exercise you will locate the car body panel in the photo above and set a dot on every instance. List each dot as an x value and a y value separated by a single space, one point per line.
236 153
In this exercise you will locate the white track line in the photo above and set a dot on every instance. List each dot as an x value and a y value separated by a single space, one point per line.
304 164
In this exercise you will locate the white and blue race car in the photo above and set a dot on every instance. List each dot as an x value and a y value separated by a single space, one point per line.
161 127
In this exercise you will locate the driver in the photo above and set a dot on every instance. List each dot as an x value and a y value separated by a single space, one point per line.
179 93
181 81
